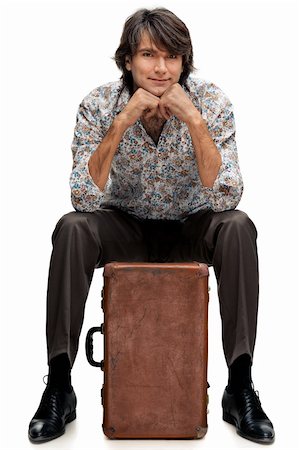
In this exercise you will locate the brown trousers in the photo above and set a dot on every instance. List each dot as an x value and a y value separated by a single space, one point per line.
84 241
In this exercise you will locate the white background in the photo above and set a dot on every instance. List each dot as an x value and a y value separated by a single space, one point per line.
53 54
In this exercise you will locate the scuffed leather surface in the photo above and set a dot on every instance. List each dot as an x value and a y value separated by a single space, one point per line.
155 350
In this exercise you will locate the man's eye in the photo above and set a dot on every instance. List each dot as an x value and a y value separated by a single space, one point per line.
146 54
172 56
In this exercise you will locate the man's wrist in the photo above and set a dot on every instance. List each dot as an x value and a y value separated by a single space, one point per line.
195 120
121 122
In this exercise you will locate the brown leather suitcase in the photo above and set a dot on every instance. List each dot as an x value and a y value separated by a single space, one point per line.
155 350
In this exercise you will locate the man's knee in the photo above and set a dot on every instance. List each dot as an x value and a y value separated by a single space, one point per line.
238 219
70 222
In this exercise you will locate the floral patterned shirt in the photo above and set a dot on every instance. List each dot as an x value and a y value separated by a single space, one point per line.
155 181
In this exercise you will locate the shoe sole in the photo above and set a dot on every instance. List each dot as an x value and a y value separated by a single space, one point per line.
41 439
230 419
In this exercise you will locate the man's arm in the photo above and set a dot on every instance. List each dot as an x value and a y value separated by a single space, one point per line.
207 155
100 161
175 101
86 196
227 189
214 145
93 150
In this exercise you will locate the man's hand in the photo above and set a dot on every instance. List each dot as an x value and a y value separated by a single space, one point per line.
141 104
175 101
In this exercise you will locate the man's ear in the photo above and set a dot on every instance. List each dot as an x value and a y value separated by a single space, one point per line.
128 62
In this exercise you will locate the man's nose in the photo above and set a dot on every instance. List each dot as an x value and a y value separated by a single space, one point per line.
160 65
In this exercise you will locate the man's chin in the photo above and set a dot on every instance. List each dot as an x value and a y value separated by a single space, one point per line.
157 91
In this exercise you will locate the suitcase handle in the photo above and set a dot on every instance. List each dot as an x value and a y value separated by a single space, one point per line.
89 346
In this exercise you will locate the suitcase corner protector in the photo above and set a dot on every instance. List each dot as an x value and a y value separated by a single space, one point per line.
109 432
201 432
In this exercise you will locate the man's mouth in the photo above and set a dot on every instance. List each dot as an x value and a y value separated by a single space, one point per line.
159 80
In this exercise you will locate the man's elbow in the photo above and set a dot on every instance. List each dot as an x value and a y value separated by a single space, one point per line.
81 204
227 198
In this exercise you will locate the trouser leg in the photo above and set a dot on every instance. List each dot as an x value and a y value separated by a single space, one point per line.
82 242
227 241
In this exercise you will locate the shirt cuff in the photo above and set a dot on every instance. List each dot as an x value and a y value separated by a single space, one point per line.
92 185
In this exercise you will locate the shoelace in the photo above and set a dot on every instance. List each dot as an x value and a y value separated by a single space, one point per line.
51 400
251 405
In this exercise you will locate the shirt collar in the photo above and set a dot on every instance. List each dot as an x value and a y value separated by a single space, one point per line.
123 99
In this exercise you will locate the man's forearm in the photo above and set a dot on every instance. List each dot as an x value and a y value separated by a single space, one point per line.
207 155
100 162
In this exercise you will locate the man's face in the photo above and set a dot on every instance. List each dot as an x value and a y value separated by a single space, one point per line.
154 69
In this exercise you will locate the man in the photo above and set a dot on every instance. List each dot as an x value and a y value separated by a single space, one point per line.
155 178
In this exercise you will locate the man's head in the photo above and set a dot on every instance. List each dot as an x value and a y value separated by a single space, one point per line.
155 51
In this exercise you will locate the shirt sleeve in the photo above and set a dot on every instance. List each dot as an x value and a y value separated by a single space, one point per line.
228 187
86 196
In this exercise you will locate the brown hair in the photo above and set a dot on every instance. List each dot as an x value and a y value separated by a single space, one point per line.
165 29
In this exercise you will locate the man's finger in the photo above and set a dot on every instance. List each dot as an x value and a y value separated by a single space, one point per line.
164 111
149 113
158 113
168 112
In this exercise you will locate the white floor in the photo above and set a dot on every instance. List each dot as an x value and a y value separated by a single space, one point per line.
86 431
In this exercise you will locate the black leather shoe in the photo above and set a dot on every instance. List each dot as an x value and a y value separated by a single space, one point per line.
244 410
57 408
